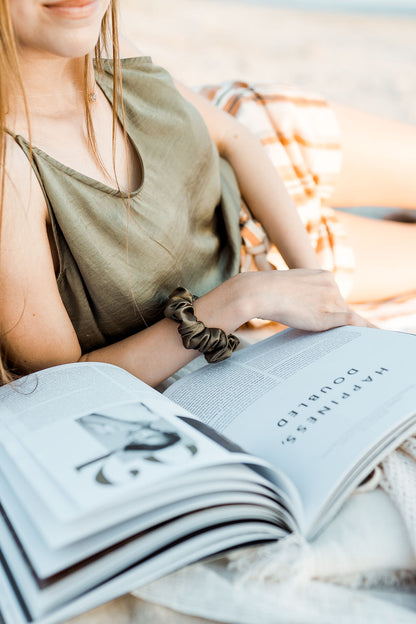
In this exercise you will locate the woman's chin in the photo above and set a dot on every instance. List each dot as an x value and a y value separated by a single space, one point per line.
75 46
63 28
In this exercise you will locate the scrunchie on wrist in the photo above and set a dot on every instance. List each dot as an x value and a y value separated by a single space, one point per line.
211 341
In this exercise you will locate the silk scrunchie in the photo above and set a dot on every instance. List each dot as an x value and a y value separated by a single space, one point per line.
213 342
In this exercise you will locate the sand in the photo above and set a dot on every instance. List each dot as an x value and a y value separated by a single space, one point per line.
364 61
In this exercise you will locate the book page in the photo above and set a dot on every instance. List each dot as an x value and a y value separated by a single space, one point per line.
84 442
311 404
47 562
203 545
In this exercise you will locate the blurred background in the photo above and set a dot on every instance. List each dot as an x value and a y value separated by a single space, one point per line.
358 52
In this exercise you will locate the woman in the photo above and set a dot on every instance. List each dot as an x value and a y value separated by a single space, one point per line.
105 209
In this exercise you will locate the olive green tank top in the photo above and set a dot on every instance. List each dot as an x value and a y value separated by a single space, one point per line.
118 265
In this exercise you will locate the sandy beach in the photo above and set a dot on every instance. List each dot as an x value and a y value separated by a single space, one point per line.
366 61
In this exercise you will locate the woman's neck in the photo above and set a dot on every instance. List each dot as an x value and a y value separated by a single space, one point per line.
53 86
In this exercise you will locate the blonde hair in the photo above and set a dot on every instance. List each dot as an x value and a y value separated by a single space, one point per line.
11 79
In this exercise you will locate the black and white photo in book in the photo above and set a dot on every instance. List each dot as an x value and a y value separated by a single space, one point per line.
131 435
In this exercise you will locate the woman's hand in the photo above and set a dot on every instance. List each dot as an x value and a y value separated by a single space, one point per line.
301 298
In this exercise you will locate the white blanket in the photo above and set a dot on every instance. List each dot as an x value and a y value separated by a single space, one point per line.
366 546
361 569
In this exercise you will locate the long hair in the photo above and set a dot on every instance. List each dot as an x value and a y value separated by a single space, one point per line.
11 80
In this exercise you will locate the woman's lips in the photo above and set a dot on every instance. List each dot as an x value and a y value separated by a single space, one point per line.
73 9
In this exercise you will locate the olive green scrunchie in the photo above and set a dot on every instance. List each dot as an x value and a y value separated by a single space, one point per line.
211 341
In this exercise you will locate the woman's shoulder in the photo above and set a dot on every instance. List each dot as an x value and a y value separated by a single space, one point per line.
21 187
134 62
130 56
144 83
24 210
32 316
140 76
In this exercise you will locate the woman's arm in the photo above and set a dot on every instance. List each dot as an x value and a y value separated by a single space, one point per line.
36 331
260 184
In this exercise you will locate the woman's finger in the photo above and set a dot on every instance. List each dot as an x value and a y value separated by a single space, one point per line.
360 321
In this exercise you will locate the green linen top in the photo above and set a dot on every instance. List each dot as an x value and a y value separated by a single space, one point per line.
118 264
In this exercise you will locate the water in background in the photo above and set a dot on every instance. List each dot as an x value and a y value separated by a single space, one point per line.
392 7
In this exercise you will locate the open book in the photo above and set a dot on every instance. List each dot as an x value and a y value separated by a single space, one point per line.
105 484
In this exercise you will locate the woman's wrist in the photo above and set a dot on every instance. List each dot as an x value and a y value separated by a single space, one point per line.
213 342
257 287
228 306
250 300
234 302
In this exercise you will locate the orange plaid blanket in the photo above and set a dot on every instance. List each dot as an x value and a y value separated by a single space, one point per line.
300 134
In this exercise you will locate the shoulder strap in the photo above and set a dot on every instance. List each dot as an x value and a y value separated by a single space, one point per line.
26 149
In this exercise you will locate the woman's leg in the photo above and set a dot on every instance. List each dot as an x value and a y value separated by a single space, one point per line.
385 254
378 169
379 161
